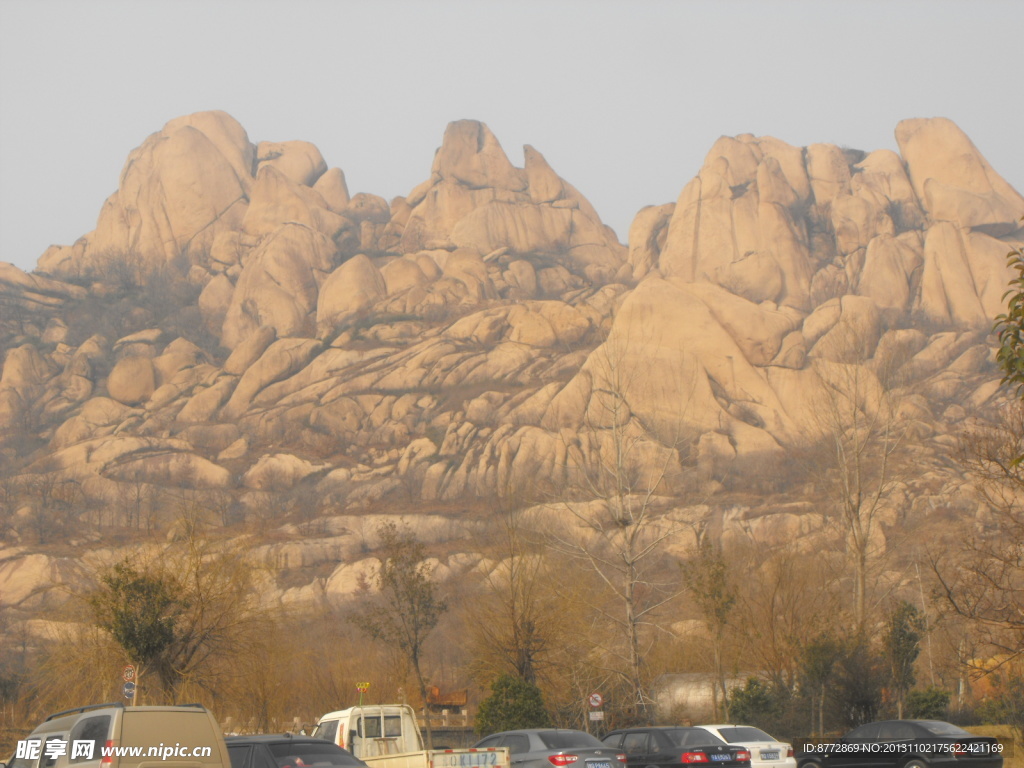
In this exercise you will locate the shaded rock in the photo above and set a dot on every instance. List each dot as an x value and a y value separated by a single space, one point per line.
352 288
279 285
298 161
281 359
333 189
132 380
24 292
279 472
471 155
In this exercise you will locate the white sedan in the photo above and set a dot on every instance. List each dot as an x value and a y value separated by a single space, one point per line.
765 752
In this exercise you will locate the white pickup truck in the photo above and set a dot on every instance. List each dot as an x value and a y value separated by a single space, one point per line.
386 736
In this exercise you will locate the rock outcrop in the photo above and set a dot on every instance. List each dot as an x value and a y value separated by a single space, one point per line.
486 334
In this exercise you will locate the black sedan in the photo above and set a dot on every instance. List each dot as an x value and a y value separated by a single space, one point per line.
904 744
675 746
288 751
553 748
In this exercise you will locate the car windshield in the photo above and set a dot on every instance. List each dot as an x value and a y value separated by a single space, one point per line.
744 733
300 753
939 728
692 737
568 740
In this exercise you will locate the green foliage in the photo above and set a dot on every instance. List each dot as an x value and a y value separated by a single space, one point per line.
857 689
1009 326
758 703
514 703
138 609
901 644
711 588
818 660
931 703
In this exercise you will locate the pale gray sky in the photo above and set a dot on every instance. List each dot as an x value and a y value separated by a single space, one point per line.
624 99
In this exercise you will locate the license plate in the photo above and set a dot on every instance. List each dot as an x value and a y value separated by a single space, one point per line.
720 758
598 764
769 755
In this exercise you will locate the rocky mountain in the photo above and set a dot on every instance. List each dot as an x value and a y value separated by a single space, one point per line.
239 326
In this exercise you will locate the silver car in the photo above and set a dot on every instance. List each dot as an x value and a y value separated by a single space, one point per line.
558 747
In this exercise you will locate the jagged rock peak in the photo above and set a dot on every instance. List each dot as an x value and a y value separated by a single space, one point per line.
471 154
193 182
925 233
952 179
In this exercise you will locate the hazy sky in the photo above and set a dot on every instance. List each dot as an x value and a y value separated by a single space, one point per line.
624 99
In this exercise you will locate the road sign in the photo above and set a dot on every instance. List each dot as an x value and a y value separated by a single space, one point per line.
597 714
595 700
128 673
128 689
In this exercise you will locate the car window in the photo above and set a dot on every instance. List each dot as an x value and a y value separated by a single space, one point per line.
744 733
895 732
693 737
369 727
327 730
21 762
612 740
517 743
939 728
94 729
51 752
239 755
261 758
864 732
299 753
490 741
568 739
635 743
658 744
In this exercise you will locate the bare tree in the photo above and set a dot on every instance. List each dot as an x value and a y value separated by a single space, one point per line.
983 582
857 462
621 474
513 624
785 598
409 606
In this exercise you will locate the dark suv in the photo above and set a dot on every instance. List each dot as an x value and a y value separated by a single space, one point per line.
287 751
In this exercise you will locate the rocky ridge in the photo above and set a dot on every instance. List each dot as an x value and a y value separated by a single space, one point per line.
460 343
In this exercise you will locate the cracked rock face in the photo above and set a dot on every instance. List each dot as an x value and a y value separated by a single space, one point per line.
487 333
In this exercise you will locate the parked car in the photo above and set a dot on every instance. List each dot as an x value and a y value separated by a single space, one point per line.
387 736
372 729
287 751
191 728
765 751
559 747
670 746
905 744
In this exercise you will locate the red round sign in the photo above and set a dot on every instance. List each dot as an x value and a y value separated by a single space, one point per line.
595 700
128 673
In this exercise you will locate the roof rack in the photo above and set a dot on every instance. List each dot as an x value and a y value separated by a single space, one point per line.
84 709
117 704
